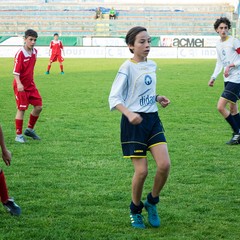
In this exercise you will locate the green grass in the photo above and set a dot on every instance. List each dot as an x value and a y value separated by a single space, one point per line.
74 183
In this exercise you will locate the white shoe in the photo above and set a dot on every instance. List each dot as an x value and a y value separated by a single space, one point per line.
20 139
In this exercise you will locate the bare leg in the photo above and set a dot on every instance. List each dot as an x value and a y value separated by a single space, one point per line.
36 110
221 106
140 174
161 156
20 114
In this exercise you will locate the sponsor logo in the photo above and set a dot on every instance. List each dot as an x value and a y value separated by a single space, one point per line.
182 42
148 80
147 100
223 52
138 151
25 60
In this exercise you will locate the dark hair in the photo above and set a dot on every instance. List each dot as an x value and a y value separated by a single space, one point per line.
131 35
30 33
222 20
55 34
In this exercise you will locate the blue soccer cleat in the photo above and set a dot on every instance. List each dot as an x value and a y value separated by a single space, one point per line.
153 217
137 220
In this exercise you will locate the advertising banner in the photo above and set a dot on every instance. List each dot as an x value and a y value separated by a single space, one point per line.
117 52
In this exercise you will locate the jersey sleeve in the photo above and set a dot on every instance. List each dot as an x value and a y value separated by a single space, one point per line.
61 45
236 44
18 61
50 45
119 89
218 68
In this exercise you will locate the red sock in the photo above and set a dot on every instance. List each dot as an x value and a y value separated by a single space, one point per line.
48 68
19 126
61 67
32 121
3 188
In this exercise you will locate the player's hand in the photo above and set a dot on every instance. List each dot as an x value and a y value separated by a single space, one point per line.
134 118
228 69
226 72
20 87
7 156
164 101
211 82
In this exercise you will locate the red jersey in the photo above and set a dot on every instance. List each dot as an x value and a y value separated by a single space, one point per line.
24 67
56 47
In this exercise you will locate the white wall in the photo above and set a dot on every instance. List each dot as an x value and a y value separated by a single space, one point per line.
232 2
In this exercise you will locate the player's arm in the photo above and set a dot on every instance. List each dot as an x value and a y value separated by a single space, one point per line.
118 94
20 87
62 50
6 155
50 49
237 62
163 101
133 118
217 70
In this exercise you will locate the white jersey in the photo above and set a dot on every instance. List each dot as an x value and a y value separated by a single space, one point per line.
226 55
135 87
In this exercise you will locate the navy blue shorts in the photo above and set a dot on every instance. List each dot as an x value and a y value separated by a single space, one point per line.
137 139
231 91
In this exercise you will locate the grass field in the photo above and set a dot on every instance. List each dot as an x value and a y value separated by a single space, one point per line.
74 183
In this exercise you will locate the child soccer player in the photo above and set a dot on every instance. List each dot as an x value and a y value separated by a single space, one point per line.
55 52
7 202
228 50
133 93
24 87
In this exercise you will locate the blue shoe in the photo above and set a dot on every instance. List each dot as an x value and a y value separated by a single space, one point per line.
12 207
31 133
137 221
62 73
153 217
47 72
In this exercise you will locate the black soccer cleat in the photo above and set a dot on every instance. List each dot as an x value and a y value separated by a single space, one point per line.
234 140
12 207
31 133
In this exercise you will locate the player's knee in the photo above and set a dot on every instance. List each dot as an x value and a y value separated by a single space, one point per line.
233 109
164 166
220 108
142 173
38 109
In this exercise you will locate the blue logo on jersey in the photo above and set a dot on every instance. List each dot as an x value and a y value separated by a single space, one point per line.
148 80
147 100
223 52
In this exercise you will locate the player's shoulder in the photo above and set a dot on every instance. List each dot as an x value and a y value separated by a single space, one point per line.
125 64
35 51
19 53
151 62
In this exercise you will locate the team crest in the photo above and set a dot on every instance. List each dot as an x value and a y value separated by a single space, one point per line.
148 80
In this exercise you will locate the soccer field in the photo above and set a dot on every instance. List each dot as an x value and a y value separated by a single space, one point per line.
74 183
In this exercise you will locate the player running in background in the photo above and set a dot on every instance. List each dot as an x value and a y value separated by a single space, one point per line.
56 52
228 57
24 87
133 93
7 202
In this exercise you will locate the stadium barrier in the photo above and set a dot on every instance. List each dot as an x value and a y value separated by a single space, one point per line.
118 52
